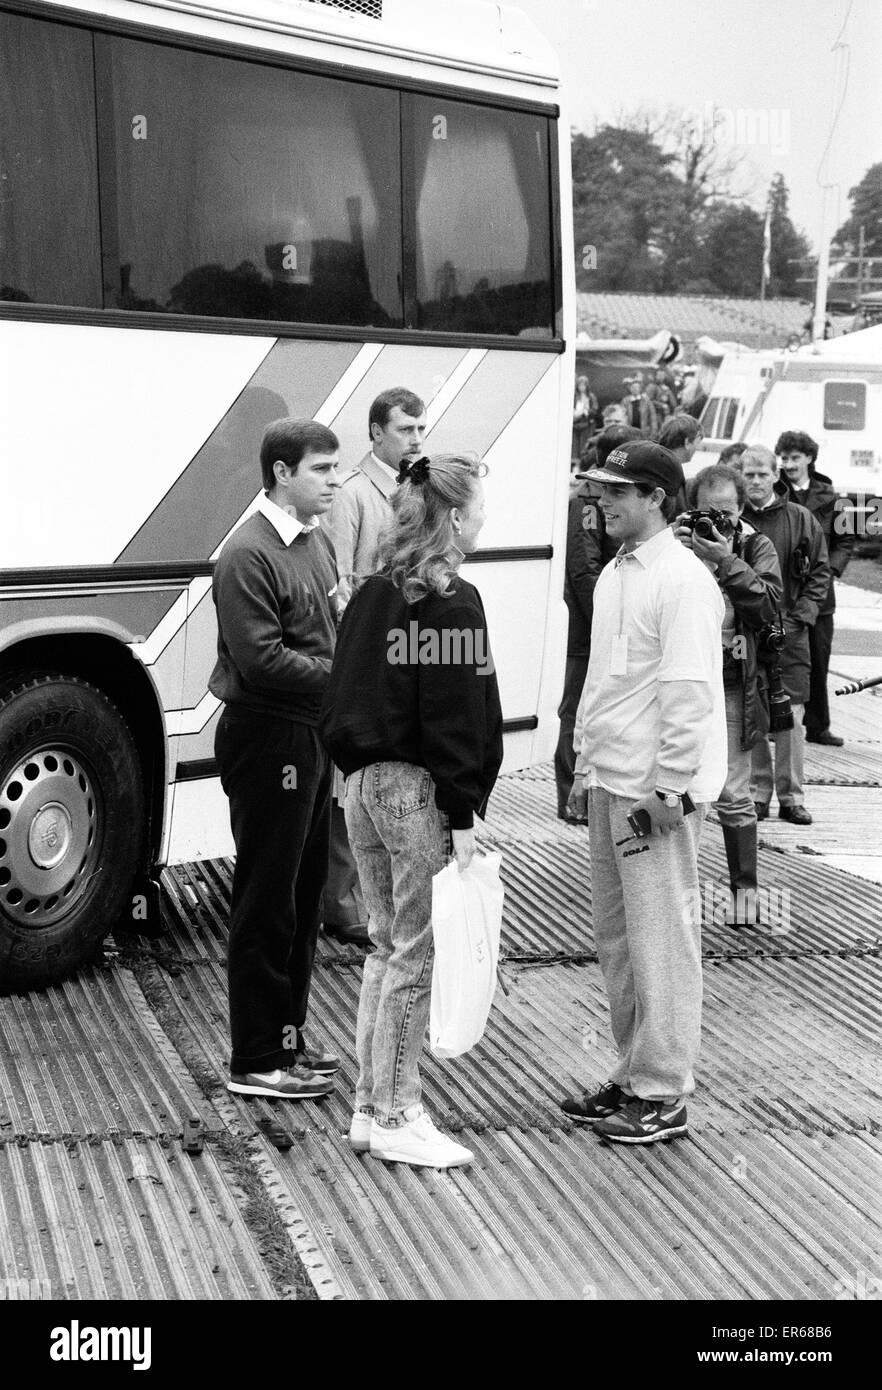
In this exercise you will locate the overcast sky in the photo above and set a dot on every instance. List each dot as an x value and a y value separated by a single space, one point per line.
773 58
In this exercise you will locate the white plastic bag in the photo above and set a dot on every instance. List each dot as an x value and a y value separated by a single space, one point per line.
466 923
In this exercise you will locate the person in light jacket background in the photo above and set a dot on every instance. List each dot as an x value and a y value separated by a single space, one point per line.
362 507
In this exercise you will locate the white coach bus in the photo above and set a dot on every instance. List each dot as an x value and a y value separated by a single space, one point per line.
213 215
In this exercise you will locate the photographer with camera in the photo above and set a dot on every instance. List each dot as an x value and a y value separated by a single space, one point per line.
746 569
805 572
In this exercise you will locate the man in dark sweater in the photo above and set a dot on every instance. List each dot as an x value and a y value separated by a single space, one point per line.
274 591
797 454
805 575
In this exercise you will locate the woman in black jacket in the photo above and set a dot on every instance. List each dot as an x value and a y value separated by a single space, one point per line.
412 717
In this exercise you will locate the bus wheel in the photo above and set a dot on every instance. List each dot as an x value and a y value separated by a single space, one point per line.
72 825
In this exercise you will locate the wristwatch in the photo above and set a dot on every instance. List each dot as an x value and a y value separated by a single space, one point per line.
671 799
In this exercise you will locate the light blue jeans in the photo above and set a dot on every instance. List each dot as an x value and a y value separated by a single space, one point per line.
400 840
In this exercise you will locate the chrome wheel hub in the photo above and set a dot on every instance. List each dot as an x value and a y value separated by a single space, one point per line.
49 836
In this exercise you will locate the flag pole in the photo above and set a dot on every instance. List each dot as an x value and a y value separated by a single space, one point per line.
767 252
819 317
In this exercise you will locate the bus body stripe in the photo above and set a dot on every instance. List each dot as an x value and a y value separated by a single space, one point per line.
495 391
216 487
134 613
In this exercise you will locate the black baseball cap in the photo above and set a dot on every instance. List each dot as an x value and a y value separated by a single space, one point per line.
640 461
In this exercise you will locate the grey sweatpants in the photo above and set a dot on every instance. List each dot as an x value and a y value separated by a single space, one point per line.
647 928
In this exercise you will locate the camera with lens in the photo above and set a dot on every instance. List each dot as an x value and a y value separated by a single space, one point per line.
770 641
701 522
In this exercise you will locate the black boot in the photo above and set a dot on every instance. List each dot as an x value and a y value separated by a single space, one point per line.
740 845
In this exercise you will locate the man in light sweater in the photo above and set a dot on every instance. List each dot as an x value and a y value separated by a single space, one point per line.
274 589
362 507
651 727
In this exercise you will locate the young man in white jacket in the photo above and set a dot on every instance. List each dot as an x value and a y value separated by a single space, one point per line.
651 728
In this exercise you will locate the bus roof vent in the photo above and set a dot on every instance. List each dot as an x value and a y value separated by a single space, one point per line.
368 9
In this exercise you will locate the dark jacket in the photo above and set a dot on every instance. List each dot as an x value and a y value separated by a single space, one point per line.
828 509
648 417
751 580
802 554
414 683
588 550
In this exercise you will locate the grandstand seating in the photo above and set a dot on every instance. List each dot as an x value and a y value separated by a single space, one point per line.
691 316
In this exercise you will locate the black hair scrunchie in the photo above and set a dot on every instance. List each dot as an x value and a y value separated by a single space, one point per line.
416 472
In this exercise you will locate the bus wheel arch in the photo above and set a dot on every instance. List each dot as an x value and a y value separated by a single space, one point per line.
81 782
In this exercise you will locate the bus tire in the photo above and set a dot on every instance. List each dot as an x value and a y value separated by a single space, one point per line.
72 825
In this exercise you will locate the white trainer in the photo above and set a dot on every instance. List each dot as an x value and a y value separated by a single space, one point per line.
417 1142
360 1131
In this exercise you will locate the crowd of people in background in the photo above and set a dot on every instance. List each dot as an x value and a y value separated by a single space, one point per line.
775 546
649 397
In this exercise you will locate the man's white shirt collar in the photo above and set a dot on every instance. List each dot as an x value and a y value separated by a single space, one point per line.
646 551
287 525
389 471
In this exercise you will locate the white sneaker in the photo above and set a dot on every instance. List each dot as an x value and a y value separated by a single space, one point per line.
360 1131
417 1142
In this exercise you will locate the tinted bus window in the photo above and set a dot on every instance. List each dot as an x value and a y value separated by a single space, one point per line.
249 191
480 181
845 405
49 243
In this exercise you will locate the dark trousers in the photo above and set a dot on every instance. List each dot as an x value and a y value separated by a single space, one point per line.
342 903
817 709
278 779
564 755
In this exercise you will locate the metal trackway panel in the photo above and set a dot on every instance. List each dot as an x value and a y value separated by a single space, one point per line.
135 1218
775 1195
96 1195
856 765
551 1213
784 1045
547 871
87 1059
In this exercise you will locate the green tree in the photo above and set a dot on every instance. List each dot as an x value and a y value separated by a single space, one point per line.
866 212
622 192
733 249
788 248
704 170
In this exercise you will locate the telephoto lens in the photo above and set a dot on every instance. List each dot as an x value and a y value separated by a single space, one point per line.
780 713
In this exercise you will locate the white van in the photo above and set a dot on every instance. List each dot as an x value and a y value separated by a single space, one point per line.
832 390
